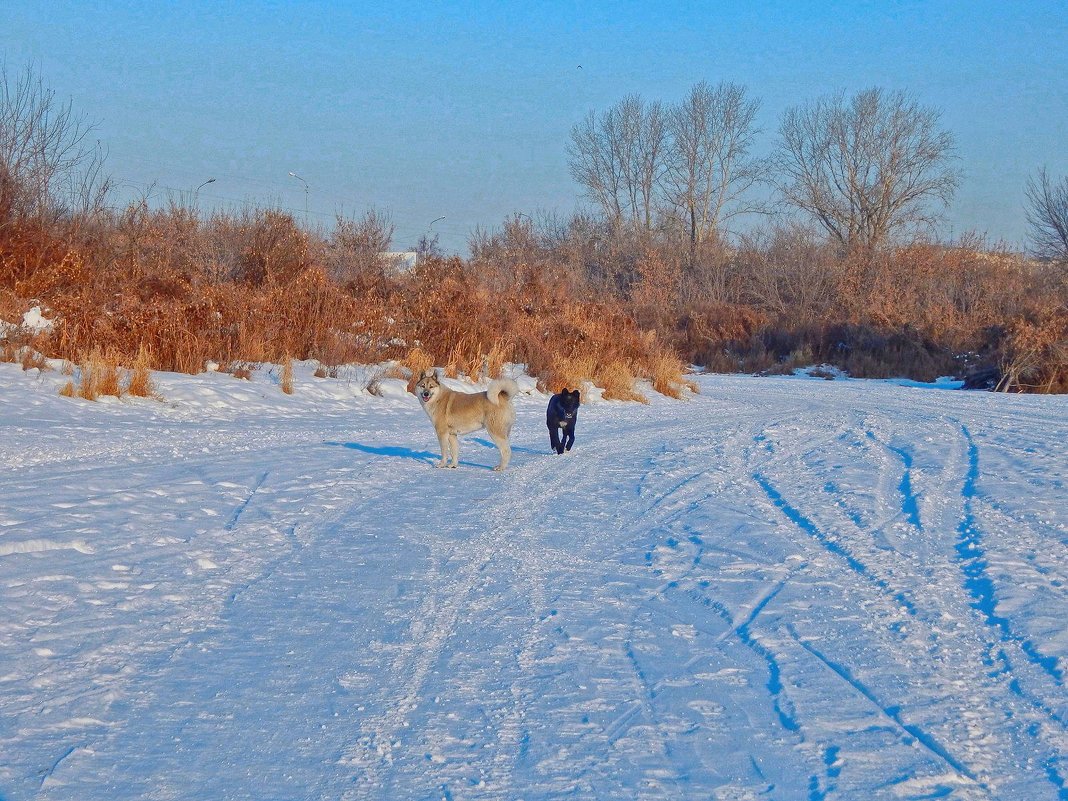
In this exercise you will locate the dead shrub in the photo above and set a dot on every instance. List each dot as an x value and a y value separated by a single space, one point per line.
1034 356
572 299
140 384
242 370
286 380
617 379
372 383
668 376
570 373
98 375
494 361
32 360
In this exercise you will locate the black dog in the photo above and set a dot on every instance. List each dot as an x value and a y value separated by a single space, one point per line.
561 417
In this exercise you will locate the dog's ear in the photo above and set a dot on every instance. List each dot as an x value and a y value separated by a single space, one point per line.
578 396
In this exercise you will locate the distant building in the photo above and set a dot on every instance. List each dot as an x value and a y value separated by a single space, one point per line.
402 261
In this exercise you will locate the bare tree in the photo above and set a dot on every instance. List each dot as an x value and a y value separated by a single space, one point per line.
1047 213
594 165
48 165
711 169
867 167
357 244
619 156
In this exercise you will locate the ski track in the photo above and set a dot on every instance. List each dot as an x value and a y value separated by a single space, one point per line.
777 589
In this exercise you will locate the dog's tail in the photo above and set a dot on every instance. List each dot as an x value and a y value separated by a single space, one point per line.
502 386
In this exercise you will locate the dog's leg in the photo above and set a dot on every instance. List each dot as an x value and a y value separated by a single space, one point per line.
569 437
504 448
554 439
454 445
443 441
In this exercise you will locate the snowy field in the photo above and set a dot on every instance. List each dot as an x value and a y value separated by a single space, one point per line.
781 588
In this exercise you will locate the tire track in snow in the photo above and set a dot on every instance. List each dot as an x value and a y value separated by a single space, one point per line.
980 587
830 545
434 626
978 583
910 507
232 522
530 567
688 487
893 713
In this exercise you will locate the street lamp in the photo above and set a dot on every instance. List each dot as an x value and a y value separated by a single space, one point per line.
436 219
196 192
294 175
426 237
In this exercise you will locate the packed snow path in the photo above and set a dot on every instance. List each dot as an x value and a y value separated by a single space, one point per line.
779 588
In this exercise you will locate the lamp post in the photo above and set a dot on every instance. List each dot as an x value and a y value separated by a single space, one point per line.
294 175
426 237
196 192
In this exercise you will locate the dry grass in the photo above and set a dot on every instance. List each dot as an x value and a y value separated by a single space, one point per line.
372 383
576 373
32 360
495 359
617 379
98 374
249 288
242 370
140 383
669 377
286 379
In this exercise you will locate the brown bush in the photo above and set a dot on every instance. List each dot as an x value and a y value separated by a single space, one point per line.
1034 357
32 360
140 383
572 300
99 374
285 381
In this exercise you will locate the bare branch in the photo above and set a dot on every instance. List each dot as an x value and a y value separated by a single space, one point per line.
710 170
866 168
1047 214
620 156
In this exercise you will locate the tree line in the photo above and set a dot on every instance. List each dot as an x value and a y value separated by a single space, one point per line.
867 169
657 274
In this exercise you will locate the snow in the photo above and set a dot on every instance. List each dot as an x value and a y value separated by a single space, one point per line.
778 588
33 322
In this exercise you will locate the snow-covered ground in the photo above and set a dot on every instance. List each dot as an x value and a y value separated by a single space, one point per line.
781 588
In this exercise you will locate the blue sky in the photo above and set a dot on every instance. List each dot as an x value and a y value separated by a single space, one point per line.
464 110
